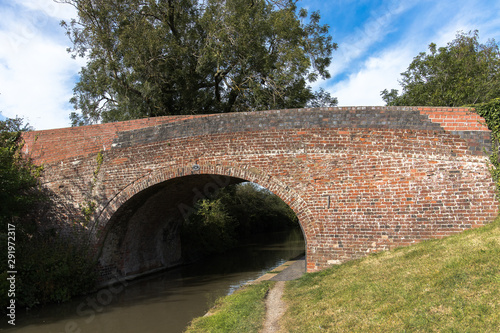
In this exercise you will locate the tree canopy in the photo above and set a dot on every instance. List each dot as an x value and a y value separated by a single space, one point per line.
151 58
18 177
462 73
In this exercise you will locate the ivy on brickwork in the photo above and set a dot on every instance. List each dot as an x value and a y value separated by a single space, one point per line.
89 206
490 111
100 160
88 210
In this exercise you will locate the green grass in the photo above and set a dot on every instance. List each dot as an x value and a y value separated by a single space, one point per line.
243 311
447 285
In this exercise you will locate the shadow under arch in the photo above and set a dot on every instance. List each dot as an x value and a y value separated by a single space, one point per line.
125 250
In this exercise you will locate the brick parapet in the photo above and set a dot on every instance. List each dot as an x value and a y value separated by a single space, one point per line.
50 146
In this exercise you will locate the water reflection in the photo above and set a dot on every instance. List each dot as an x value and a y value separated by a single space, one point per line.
164 302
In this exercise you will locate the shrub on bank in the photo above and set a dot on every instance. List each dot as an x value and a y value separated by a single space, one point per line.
49 268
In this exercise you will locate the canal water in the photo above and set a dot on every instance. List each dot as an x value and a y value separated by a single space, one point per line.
163 302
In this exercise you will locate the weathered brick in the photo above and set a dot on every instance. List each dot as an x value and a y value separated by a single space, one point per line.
360 179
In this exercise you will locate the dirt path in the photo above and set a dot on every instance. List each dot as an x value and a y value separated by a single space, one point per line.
275 308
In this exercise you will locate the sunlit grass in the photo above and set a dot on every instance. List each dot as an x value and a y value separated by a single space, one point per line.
243 311
448 285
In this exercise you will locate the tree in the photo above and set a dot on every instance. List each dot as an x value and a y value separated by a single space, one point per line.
322 98
257 209
152 58
51 268
462 73
18 177
233 213
211 229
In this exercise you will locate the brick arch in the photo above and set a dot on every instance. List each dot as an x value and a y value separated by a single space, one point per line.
287 194
162 175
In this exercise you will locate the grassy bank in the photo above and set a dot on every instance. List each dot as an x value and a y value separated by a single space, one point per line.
448 285
243 311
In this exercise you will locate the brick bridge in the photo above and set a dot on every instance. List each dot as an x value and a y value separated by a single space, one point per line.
360 179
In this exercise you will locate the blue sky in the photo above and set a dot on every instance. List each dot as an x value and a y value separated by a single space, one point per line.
377 41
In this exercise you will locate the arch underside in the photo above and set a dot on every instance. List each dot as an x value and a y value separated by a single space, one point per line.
143 234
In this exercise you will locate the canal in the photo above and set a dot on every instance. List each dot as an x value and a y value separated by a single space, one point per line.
164 302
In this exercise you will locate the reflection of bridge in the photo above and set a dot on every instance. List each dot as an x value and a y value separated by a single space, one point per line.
360 179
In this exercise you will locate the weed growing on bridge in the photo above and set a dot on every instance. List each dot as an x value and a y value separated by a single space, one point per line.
100 160
491 113
89 207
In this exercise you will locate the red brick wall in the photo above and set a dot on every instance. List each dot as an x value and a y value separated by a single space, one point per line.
50 146
360 179
455 119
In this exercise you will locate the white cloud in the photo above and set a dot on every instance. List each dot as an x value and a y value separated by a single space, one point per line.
49 8
36 72
357 44
363 88
382 69
35 84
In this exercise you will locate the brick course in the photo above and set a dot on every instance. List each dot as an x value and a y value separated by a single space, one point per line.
360 179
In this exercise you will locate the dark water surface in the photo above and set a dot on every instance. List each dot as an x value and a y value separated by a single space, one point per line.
164 302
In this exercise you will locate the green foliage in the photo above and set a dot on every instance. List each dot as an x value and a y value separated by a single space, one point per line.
88 211
100 160
490 111
211 229
153 58
233 213
51 268
242 311
322 98
464 72
257 210
18 176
